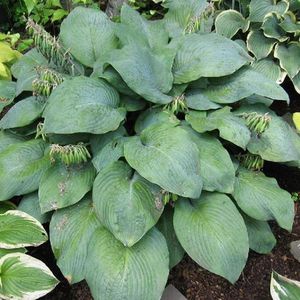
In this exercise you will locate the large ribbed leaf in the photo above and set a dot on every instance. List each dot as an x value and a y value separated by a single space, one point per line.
7 93
116 272
126 203
165 155
8 251
70 233
62 185
261 198
21 167
272 29
24 278
22 113
231 128
194 100
283 288
213 233
89 35
89 105
207 55
18 229
7 138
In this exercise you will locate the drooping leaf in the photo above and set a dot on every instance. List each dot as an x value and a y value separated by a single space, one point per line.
70 233
206 230
89 105
24 277
114 271
165 155
194 100
261 198
19 229
126 204
272 29
7 93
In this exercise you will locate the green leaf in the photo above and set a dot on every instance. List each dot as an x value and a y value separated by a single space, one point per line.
8 251
59 14
30 205
229 22
261 237
132 104
115 272
259 45
290 23
89 35
272 29
7 138
166 227
127 205
261 198
22 113
7 93
24 277
62 185
194 100
18 229
231 128
283 288
296 82
260 8
206 230
89 105
30 4
71 230
224 57
5 206
21 167
165 155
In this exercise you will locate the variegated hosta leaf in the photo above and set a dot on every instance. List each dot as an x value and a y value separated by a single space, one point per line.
7 138
224 57
30 204
242 84
115 272
206 230
126 204
8 251
165 155
231 128
7 93
21 167
19 229
261 237
283 288
89 35
166 227
259 8
259 44
62 185
70 234
272 29
229 22
289 58
24 278
290 23
89 105
261 198
270 69
22 113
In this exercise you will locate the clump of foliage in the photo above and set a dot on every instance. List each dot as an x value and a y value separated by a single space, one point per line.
143 140
272 30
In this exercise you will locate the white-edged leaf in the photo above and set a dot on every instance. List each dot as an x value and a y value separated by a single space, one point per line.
272 29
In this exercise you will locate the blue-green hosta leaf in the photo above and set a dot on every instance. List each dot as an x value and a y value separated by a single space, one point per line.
242 84
207 55
166 227
231 128
89 105
8 138
283 288
71 229
261 198
19 229
62 185
289 58
21 167
6 205
116 272
147 73
229 22
132 103
126 204
194 100
290 23
89 35
7 93
206 230
260 8
272 29
8 251
296 82
24 277
22 113
261 237
30 204
259 45
165 155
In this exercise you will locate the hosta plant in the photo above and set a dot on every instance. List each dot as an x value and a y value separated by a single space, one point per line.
142 140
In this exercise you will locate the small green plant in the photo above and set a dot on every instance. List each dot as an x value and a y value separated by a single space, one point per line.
147 140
